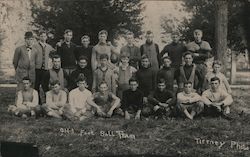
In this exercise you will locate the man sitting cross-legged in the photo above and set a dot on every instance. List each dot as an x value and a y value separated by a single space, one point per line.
189 102
161 100
132 100
217 98
104 102
26 101
56 100
78 108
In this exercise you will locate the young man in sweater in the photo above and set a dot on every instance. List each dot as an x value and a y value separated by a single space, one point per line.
82 69
104 73
132 100
166 73
56 100
189 102
161 101
189 73
217 99
67 50
26 101
174 50
105 103
131 50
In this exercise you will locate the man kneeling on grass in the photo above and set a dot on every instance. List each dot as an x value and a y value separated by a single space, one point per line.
132 100
56 100
26 101
189 102
161 101
217 99
104 102
78 108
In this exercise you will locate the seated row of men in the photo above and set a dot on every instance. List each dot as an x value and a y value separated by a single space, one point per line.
81 103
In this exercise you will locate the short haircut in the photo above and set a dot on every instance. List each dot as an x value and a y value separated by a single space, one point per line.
217 62
54 82
103 82
166 57
132 79
85 37
198 30
188 82
149 32
81 78
103 32
26 78
161 80
68 31
42 32
188 53
104 56
56 56
123 55
83 58
215 79
176 33
144 57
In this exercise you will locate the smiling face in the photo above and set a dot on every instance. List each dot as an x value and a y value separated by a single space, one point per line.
133 85
145 63
82 63
68 36
166 62
81 85
85 42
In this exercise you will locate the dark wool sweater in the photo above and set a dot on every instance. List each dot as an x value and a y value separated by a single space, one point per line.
67 54
83 51
167 74
132 99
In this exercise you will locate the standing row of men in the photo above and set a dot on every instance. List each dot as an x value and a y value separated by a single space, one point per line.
95 67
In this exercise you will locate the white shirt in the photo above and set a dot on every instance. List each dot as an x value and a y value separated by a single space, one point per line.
78 99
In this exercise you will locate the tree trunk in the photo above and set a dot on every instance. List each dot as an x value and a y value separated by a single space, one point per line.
221 22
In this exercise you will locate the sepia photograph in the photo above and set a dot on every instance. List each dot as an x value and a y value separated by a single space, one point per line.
144 78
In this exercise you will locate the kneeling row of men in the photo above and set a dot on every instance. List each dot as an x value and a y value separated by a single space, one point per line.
82 104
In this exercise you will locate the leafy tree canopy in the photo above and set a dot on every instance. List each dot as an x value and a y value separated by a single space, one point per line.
88 17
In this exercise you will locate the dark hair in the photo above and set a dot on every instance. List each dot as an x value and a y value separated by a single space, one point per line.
55 57
144 57
217 62
54 82
103 32
132 79
103 82
166 57
82 57
85 37
67 31
129 33
187 82
104 56
81 77
161 80
28 35
215 79
26 78
149 32
188 53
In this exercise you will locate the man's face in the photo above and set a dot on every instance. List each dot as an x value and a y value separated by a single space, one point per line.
145 62
167 62
26 84
43 37
216 68
149 37
188 59
161 86
57 63
175 38
103 87
68 36
29 41
188 88
215 84
56 88
197 36
130 39
103 62
82 63
133 85
124 59
85 42
81 85
102 38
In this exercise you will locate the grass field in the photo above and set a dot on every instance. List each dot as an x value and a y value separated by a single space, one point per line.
205 136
